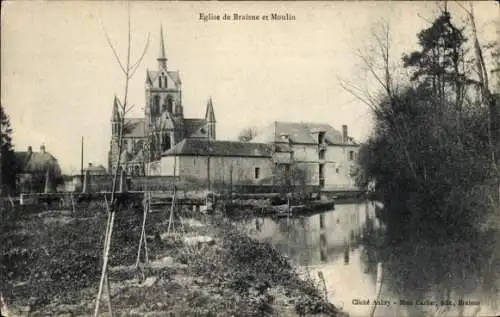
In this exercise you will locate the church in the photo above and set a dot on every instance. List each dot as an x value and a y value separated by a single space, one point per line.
163 124
165 143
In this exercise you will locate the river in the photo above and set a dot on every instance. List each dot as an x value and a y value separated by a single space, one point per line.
423 281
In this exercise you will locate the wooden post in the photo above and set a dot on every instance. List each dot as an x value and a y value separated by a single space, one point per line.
123 182
378 287
85 184
145 206
48 185
325 288
81 164
208 171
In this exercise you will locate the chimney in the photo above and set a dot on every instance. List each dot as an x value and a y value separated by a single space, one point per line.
345 134
42 149
30 149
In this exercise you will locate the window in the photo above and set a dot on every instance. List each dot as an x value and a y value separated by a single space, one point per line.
257 173
351 155
321 137
285 137
322 154
166 142
156 105
159 82
321 175
337 170
169 104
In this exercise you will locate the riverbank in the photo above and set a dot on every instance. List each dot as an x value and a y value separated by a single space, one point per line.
51 266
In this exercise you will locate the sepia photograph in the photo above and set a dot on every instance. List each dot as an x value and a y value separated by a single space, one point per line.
250 158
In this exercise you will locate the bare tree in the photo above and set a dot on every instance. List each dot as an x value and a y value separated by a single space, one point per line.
488 97
247 134
128 68
377 62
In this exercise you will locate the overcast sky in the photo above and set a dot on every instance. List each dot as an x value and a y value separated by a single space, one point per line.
59 75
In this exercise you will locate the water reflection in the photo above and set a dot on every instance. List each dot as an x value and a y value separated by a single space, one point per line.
346 245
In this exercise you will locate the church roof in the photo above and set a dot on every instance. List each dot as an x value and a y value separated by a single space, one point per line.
135 127
175 76
298 132
139 157
125 157
202 147
195 128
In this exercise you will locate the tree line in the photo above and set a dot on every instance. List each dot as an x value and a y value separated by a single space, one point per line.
433 155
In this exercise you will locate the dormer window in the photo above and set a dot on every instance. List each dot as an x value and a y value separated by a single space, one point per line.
321 137
285 137
322 154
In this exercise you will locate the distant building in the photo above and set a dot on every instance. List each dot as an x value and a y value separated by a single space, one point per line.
163 124
33 168
285 153
96 169
218 162
317 153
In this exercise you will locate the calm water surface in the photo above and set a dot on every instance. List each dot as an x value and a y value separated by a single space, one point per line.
421 275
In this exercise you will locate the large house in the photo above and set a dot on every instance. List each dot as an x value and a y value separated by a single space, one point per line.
36 171
163 124
315 152
284 153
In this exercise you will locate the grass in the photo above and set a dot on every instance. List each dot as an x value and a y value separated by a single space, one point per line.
51 265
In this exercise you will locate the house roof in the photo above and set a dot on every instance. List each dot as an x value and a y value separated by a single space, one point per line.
96 170
135 127
299 132
32 162
202 147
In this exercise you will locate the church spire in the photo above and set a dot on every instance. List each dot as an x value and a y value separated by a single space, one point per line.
210 119
210 114
115 116
162 59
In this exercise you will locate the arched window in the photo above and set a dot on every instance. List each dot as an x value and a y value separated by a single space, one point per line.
159 81
166 142
156 105
170 104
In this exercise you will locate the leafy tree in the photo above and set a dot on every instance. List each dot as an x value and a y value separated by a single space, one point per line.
8 163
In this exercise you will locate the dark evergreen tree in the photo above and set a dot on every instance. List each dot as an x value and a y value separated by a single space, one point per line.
7 160
441 61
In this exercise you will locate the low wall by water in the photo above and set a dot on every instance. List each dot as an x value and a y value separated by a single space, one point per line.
103 183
